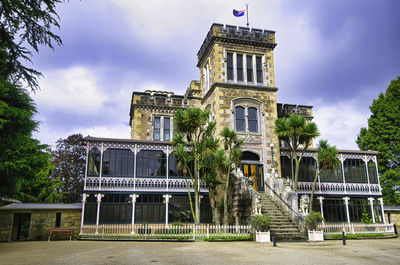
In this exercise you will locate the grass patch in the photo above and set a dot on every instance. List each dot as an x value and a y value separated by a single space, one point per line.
357 236
228 238
137 237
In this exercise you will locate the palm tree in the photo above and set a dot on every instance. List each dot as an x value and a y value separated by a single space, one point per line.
326 161
232 146
191 144
296 131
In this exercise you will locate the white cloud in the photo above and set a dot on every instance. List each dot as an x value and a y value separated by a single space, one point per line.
121 131
340 123
73 89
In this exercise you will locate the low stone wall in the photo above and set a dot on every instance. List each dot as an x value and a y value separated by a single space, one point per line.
6 221
41 221
394 217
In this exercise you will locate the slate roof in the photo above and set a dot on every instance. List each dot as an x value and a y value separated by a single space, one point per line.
41 206
391 208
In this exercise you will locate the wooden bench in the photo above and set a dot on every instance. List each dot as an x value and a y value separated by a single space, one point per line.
61 231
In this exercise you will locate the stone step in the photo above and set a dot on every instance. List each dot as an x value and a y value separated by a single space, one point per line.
281 224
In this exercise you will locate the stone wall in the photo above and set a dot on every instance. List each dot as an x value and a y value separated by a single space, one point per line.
6 219
394 218
40 222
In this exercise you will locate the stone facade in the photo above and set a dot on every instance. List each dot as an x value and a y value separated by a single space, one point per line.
40 221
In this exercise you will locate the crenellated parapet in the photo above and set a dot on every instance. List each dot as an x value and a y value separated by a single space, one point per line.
285 110
238 35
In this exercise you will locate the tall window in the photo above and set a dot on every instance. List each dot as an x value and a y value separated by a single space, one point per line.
157 127
167 125
239 67
307 169
151 164
373 176
354 171
240 119
252 119
249 66
259 70
118 163
229 63
246 124
94 162
244 63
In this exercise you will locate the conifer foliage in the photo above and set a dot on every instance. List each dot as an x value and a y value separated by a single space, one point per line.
68 160
24 163
383 135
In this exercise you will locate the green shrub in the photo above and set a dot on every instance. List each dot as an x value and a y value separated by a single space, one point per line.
356 236
230 238
313 219
365 218
260 222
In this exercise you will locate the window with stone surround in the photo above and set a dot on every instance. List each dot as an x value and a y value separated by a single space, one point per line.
246 68
162 128
246 113
157 128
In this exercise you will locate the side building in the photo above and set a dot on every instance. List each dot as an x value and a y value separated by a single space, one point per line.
137 180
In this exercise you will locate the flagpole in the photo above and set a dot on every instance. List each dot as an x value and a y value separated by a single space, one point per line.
247 13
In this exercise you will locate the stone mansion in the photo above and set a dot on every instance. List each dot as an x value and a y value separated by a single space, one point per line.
137 180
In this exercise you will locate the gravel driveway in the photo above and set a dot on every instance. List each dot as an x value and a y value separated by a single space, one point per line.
385 251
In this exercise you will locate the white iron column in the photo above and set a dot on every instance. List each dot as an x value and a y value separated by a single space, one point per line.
133 196
83 210
344 177
346 202
86 166
321 200
101 164
366 170
167 169
134 169
371 203
98 196
166 197
382 211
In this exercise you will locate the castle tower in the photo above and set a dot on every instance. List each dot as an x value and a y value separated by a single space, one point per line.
237 83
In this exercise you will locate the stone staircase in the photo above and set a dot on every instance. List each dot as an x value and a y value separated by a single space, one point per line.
283 226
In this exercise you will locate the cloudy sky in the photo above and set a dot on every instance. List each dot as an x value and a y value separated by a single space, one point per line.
335 55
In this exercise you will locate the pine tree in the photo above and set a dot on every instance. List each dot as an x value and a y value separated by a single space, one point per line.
383 135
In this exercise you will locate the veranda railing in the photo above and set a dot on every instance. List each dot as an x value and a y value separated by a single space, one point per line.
173 231
332 229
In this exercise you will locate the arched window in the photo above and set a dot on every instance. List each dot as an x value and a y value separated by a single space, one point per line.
246 124
94 162
249 156
240 119
252 119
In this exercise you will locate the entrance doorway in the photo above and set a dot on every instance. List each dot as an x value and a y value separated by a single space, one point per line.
251 167
21 223
256 173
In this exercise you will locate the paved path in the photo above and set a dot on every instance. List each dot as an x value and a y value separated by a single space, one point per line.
385 251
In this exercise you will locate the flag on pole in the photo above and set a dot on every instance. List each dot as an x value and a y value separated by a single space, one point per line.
238 13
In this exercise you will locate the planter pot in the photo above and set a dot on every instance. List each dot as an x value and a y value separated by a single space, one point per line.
263 237
315 235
